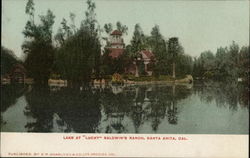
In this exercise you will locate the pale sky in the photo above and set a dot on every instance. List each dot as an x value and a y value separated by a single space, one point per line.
200 25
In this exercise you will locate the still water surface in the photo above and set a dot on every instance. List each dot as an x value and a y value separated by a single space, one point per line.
204 108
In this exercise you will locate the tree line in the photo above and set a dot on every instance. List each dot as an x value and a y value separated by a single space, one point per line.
8 60
75 54
229 62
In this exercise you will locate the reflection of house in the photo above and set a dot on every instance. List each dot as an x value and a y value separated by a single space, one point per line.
116 44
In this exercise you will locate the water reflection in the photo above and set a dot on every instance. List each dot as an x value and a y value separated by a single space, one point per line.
128 109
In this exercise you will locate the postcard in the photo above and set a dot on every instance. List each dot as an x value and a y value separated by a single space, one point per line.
123 78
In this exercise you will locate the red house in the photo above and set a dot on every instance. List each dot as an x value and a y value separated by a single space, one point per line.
116 47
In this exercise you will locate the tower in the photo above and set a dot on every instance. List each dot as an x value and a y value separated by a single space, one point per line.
116 40
116 44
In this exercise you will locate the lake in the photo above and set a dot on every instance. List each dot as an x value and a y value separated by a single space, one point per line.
199 108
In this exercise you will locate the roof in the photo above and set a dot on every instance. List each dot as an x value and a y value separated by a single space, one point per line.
147 53
116 32
117 43
18 68
115 52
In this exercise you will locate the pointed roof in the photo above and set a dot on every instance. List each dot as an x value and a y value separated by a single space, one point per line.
147 53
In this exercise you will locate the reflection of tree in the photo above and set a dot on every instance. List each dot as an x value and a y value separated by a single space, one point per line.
164 101
75 109
40 107
79 109
116 106
223 93
154 103
172 109
137 110
9 95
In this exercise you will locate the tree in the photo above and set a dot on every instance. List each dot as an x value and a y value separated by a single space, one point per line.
8 60
138 41
244 57
233 60
38 45
110 65
228 63
184 65
79 56
108 28
157 44
122 28
119 26
174 49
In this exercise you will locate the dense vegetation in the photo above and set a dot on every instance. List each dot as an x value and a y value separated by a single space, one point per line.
75 53
230 62
8 60
79 51
38 45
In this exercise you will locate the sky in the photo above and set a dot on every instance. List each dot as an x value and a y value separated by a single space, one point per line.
200 25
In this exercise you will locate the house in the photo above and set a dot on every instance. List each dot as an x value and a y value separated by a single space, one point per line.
144 57
17 73
116 44
116 48
148 58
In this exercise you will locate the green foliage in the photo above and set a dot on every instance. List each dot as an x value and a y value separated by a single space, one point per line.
108 28
38 45
78 56
138 41
231 63
157 44
111 65
184 65
119 26
8 60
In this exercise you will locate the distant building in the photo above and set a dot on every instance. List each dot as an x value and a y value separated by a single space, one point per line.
116 44
17 73
147 58
116 48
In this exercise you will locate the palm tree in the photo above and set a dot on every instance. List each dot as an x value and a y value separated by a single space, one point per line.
173 47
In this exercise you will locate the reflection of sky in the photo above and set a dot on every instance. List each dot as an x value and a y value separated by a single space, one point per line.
197 117
15 118
200 25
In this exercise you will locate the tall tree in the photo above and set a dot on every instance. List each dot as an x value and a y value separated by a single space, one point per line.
138 40
79 56
174 49
108 28
121 27
157 44
137 44
38 45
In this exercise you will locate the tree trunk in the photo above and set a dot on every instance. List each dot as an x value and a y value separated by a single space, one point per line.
136 71
174 70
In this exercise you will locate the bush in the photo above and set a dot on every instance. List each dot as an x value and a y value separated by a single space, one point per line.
117 78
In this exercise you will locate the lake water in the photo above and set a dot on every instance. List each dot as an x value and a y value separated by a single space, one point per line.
201 108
